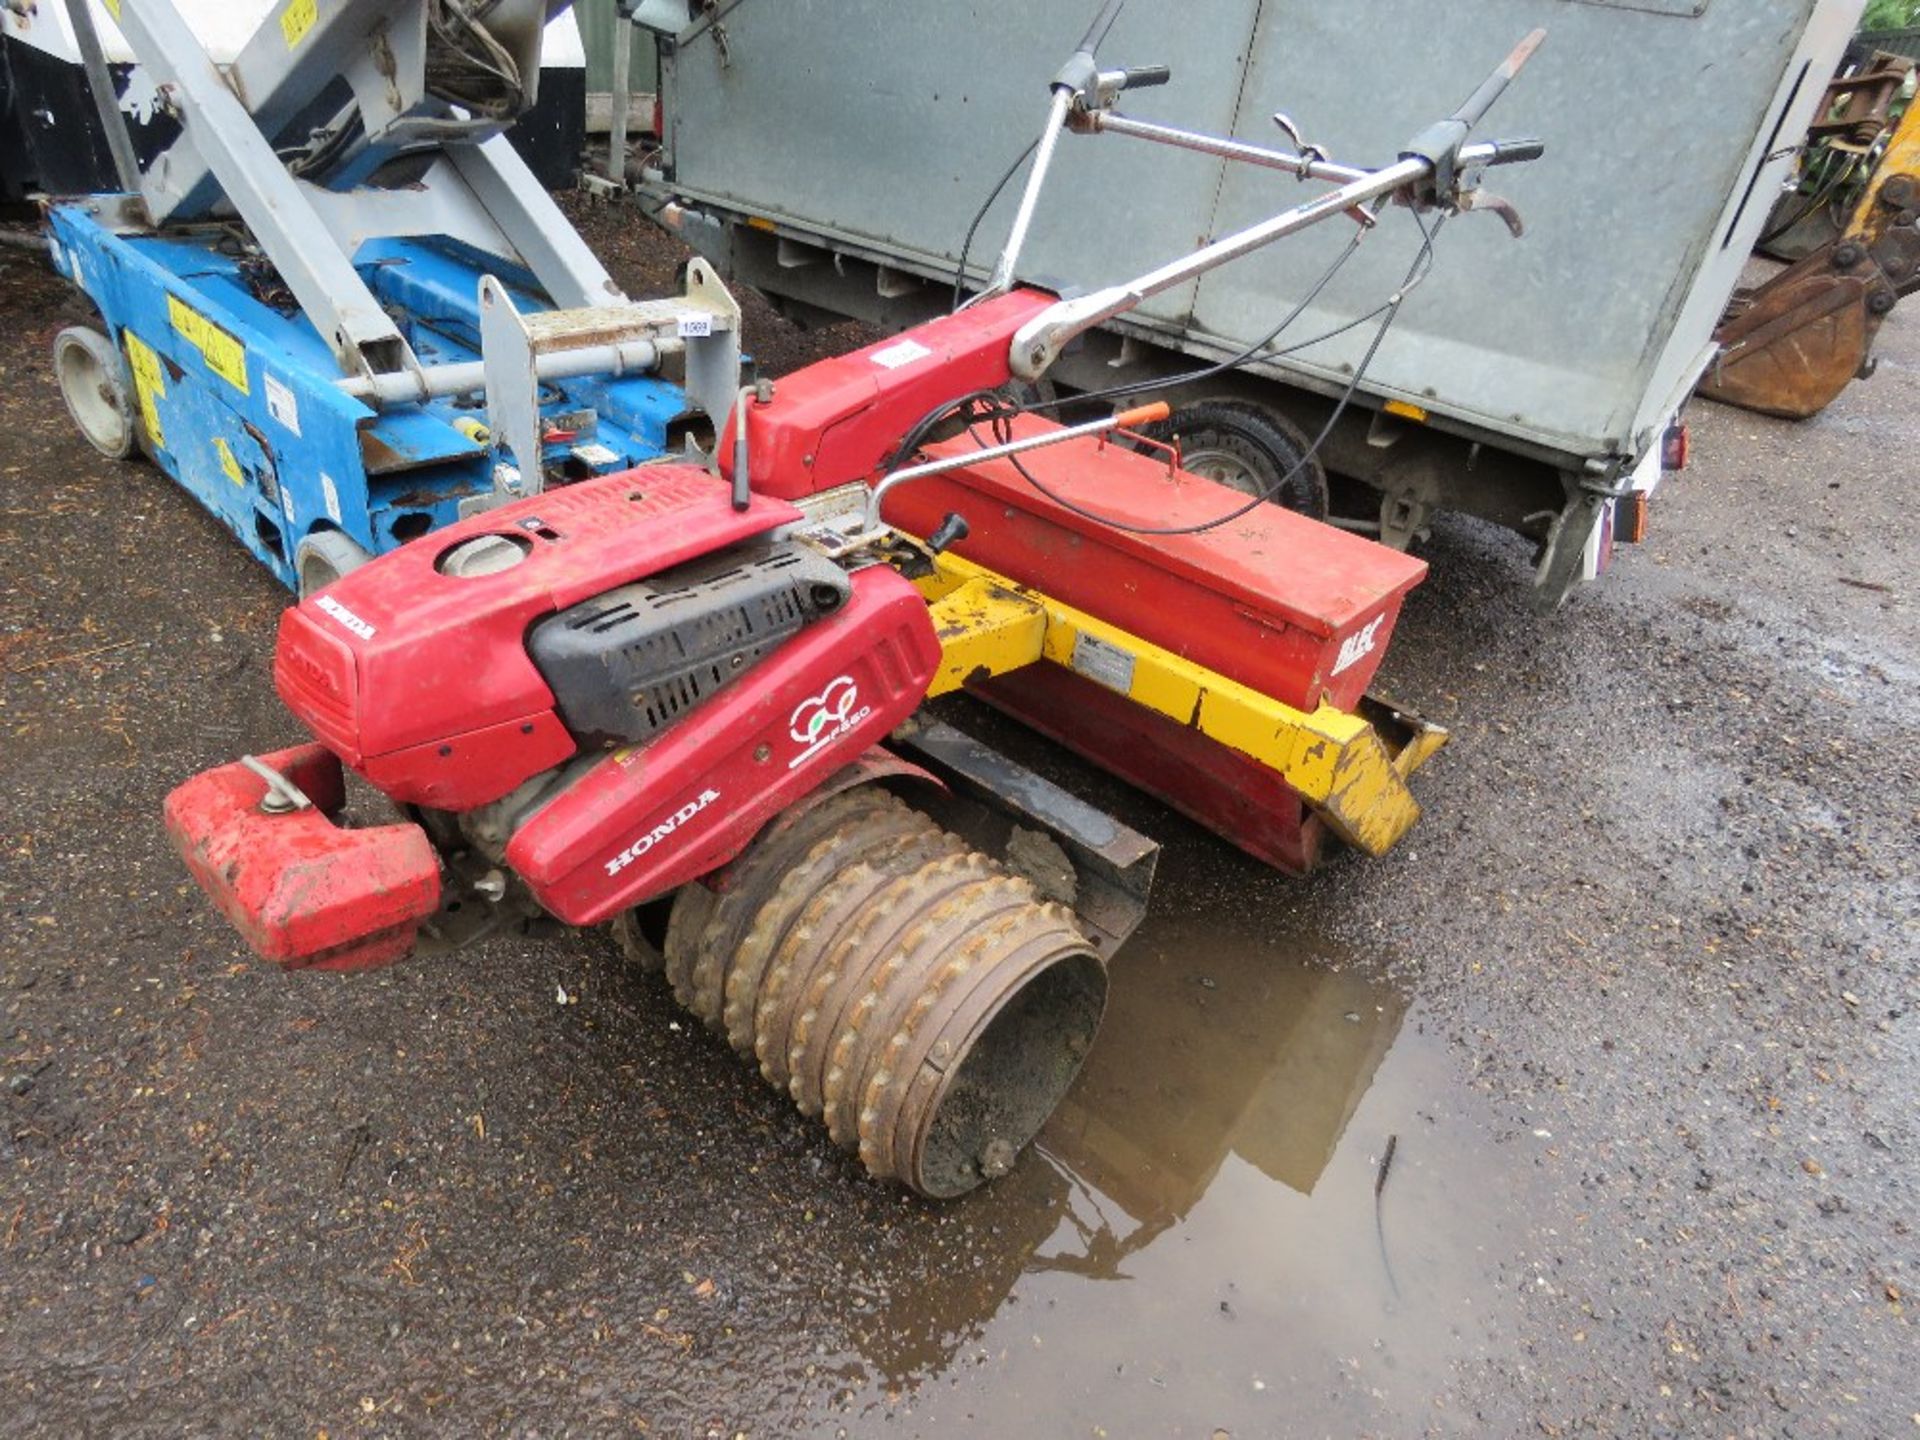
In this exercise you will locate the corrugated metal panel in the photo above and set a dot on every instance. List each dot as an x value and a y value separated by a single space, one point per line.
1898 42
597 18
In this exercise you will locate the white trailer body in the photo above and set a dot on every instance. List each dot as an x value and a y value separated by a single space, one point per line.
833 153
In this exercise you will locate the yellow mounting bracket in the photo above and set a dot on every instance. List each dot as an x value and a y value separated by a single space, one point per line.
1352 769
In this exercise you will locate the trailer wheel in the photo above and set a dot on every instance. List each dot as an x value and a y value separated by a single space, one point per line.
97 388
1249 449
323 557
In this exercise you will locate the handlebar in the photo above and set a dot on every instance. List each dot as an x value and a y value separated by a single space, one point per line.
1515 152
1490 89
1103 22
1140 77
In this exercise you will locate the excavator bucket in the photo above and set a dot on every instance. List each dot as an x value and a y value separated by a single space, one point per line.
1792 344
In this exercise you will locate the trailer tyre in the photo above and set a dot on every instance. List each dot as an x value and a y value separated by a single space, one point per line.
97 388
323 557
1249 449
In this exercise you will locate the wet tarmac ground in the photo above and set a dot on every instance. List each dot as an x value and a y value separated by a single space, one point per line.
1632 1012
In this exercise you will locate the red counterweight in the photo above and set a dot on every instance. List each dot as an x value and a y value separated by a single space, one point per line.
301 891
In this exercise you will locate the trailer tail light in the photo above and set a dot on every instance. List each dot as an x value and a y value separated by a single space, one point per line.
1675 446
1630 518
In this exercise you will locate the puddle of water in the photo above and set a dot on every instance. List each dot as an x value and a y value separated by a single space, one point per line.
1194 1244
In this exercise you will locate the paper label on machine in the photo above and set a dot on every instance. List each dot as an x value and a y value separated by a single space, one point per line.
282 405
1104 661
904 352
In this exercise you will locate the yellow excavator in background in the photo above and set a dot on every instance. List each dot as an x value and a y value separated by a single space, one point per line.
1789 346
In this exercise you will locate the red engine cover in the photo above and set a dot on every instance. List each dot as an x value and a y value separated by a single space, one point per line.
647 819
422 682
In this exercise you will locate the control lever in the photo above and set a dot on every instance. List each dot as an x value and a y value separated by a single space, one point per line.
1441 142
952 530
1478 199
1306 151
1079 77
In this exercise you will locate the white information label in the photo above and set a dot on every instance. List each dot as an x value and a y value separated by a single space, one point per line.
1101 660
903 352
282 405
596 455
331 496
695 327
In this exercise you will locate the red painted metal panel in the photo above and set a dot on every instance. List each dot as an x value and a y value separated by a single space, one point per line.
647 819
838 420
1287 605
1237 798
468 769
301 891
411 675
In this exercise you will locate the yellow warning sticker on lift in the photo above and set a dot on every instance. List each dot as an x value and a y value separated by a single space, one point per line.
149 387
229 466
225 356
296 20
113 9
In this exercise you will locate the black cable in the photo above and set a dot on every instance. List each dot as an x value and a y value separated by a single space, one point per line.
1392 308
1825 192
960 271
911 442
1258 350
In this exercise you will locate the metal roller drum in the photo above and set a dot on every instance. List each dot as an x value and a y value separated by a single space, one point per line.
923 1003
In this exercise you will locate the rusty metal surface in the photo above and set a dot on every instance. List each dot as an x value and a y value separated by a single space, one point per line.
1797 341
1856 108
1112 865
924 1004
1792 344
703 935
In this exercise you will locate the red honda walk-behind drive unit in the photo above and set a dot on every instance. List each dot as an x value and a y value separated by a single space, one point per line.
689 700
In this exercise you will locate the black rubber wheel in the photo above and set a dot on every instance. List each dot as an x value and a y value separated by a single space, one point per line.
1249 449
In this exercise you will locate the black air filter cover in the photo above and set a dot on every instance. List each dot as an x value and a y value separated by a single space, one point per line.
628 663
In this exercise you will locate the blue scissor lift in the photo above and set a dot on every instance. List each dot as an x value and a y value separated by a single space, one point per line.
343 312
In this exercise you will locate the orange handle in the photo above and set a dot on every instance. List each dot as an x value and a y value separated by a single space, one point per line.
1145 415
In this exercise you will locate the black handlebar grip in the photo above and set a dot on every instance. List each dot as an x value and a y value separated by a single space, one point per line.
1515 152
1140 77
